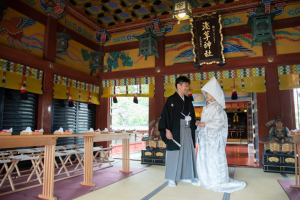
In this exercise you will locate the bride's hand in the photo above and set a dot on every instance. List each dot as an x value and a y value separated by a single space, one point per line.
202 124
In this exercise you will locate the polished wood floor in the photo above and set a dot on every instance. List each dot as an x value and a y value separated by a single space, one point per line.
240 155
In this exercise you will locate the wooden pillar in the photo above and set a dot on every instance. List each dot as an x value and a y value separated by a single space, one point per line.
274 102
287 110
156 105
273 94
102 114
159 96
45 103
45 100
50 39
261 99
160 62
280 102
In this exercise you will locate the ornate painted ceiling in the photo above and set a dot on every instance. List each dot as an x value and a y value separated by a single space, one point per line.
109 13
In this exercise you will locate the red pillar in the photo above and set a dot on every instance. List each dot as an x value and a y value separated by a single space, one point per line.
102 115
45 100
156 105
274 102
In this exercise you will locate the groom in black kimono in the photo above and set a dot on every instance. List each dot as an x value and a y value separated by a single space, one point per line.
177 124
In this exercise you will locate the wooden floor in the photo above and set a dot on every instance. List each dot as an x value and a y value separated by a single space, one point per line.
236 155
240 155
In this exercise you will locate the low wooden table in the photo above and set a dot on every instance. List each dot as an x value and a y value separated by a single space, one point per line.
296 140
49 141
88 155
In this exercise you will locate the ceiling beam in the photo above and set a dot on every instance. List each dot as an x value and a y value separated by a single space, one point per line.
80 16
234 63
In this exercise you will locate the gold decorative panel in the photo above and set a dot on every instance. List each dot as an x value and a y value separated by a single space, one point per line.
290 160
159 154
148 153
273 159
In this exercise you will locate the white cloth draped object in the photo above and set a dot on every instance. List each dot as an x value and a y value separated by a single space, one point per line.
212 165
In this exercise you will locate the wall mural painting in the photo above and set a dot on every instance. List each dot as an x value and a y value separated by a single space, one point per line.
288 40
126 60
113 60
78 57
240 46
232 20
234 47
22 33
179 53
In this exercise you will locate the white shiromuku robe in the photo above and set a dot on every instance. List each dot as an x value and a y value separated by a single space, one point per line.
212 165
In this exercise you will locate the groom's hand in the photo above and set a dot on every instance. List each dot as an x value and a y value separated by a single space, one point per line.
169 135
197 123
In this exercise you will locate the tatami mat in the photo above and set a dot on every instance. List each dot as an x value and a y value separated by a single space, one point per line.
260 186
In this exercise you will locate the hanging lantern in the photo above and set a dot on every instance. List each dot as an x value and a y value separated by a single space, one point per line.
97 58
183 10
3 8
63 43
148 43
261 24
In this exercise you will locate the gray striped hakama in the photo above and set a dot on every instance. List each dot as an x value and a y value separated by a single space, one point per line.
181 164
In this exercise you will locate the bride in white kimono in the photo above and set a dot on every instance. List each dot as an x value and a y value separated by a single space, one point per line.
211 135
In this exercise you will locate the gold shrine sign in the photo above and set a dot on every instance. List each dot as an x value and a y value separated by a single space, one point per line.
207 39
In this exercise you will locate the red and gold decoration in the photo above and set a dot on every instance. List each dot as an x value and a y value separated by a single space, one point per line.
19 77
54 8
66 88
242 80
207 40
139 87
289 77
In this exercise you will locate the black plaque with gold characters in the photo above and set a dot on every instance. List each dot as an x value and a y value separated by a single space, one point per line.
207 39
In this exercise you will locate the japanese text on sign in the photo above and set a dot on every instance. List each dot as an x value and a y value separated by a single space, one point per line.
207 43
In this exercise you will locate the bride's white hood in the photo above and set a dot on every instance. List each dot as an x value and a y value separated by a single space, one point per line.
213 88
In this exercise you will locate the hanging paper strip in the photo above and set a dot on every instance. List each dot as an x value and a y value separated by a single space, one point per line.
289 77
79 91
244 80
11 77
144 87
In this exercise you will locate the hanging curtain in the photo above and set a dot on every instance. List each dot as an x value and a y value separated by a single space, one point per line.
288 77
12 74
79 91
144 87
243 80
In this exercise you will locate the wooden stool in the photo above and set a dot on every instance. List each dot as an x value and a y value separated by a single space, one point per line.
9 171
105 152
